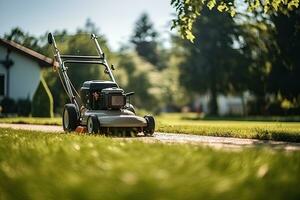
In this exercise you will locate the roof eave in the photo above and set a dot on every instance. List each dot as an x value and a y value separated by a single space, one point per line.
43 61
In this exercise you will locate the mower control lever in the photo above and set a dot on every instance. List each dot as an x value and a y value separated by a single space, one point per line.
129 94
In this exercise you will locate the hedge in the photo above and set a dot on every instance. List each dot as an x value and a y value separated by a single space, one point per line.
42 102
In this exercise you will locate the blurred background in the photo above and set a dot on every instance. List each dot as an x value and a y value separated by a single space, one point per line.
242 66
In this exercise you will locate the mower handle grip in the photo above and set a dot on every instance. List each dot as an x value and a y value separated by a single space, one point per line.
50 38
93 36
51 41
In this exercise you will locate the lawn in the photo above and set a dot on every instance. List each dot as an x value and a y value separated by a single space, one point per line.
69 166
278 129
32 120
268 130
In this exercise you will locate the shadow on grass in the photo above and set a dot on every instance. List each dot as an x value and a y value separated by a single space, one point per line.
263 135
277 136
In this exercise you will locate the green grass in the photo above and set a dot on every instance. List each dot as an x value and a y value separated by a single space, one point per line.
68 166
193 116
32 120
186 123
280 131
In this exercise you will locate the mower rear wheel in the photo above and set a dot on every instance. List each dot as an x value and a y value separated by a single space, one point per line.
70 118
149 130
93 125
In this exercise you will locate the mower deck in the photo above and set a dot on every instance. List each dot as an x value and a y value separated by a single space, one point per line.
116 118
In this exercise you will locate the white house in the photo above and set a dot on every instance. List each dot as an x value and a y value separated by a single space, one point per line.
20 70
228 105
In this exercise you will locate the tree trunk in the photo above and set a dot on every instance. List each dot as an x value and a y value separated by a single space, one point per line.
213 103
261 103
244 112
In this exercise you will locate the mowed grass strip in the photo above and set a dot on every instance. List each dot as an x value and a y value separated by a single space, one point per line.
182 123
68 166
280 131
32 120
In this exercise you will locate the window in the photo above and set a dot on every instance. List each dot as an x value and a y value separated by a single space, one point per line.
2 84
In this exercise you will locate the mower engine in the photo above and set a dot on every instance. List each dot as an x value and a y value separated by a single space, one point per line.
114 98
102 95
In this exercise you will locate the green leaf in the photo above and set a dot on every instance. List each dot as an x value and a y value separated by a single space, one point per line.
190 36
232 12
211 4
222 7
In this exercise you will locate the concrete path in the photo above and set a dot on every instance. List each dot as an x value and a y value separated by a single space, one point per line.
216 142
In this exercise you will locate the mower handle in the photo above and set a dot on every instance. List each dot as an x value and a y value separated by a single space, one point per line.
62 72
101 54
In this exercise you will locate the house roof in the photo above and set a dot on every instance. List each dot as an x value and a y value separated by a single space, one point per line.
43 61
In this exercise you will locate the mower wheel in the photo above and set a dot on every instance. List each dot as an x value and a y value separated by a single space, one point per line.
93 124
149 130
70 118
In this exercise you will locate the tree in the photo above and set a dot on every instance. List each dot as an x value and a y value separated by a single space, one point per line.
285 72
138 82
188 11
19 36
212 63
145 40
255 42
271 44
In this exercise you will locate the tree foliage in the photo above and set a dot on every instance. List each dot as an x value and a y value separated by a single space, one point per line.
255 47
270 45
285 71
188 10
19 36
212 63
144 39
137 81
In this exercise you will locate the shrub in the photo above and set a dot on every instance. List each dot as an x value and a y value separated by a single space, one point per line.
23 107
42 102
8 105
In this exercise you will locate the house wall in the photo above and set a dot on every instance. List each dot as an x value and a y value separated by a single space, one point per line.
24 75
2 68
227 105
230 105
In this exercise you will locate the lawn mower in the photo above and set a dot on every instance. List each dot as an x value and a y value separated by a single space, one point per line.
102 106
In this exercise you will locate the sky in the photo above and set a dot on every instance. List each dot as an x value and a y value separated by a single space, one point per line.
115 18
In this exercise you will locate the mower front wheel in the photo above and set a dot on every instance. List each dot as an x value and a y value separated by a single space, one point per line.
70 118
149 130
93 125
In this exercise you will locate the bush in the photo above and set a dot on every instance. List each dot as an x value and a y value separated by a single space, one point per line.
42 102
23 107
8 105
